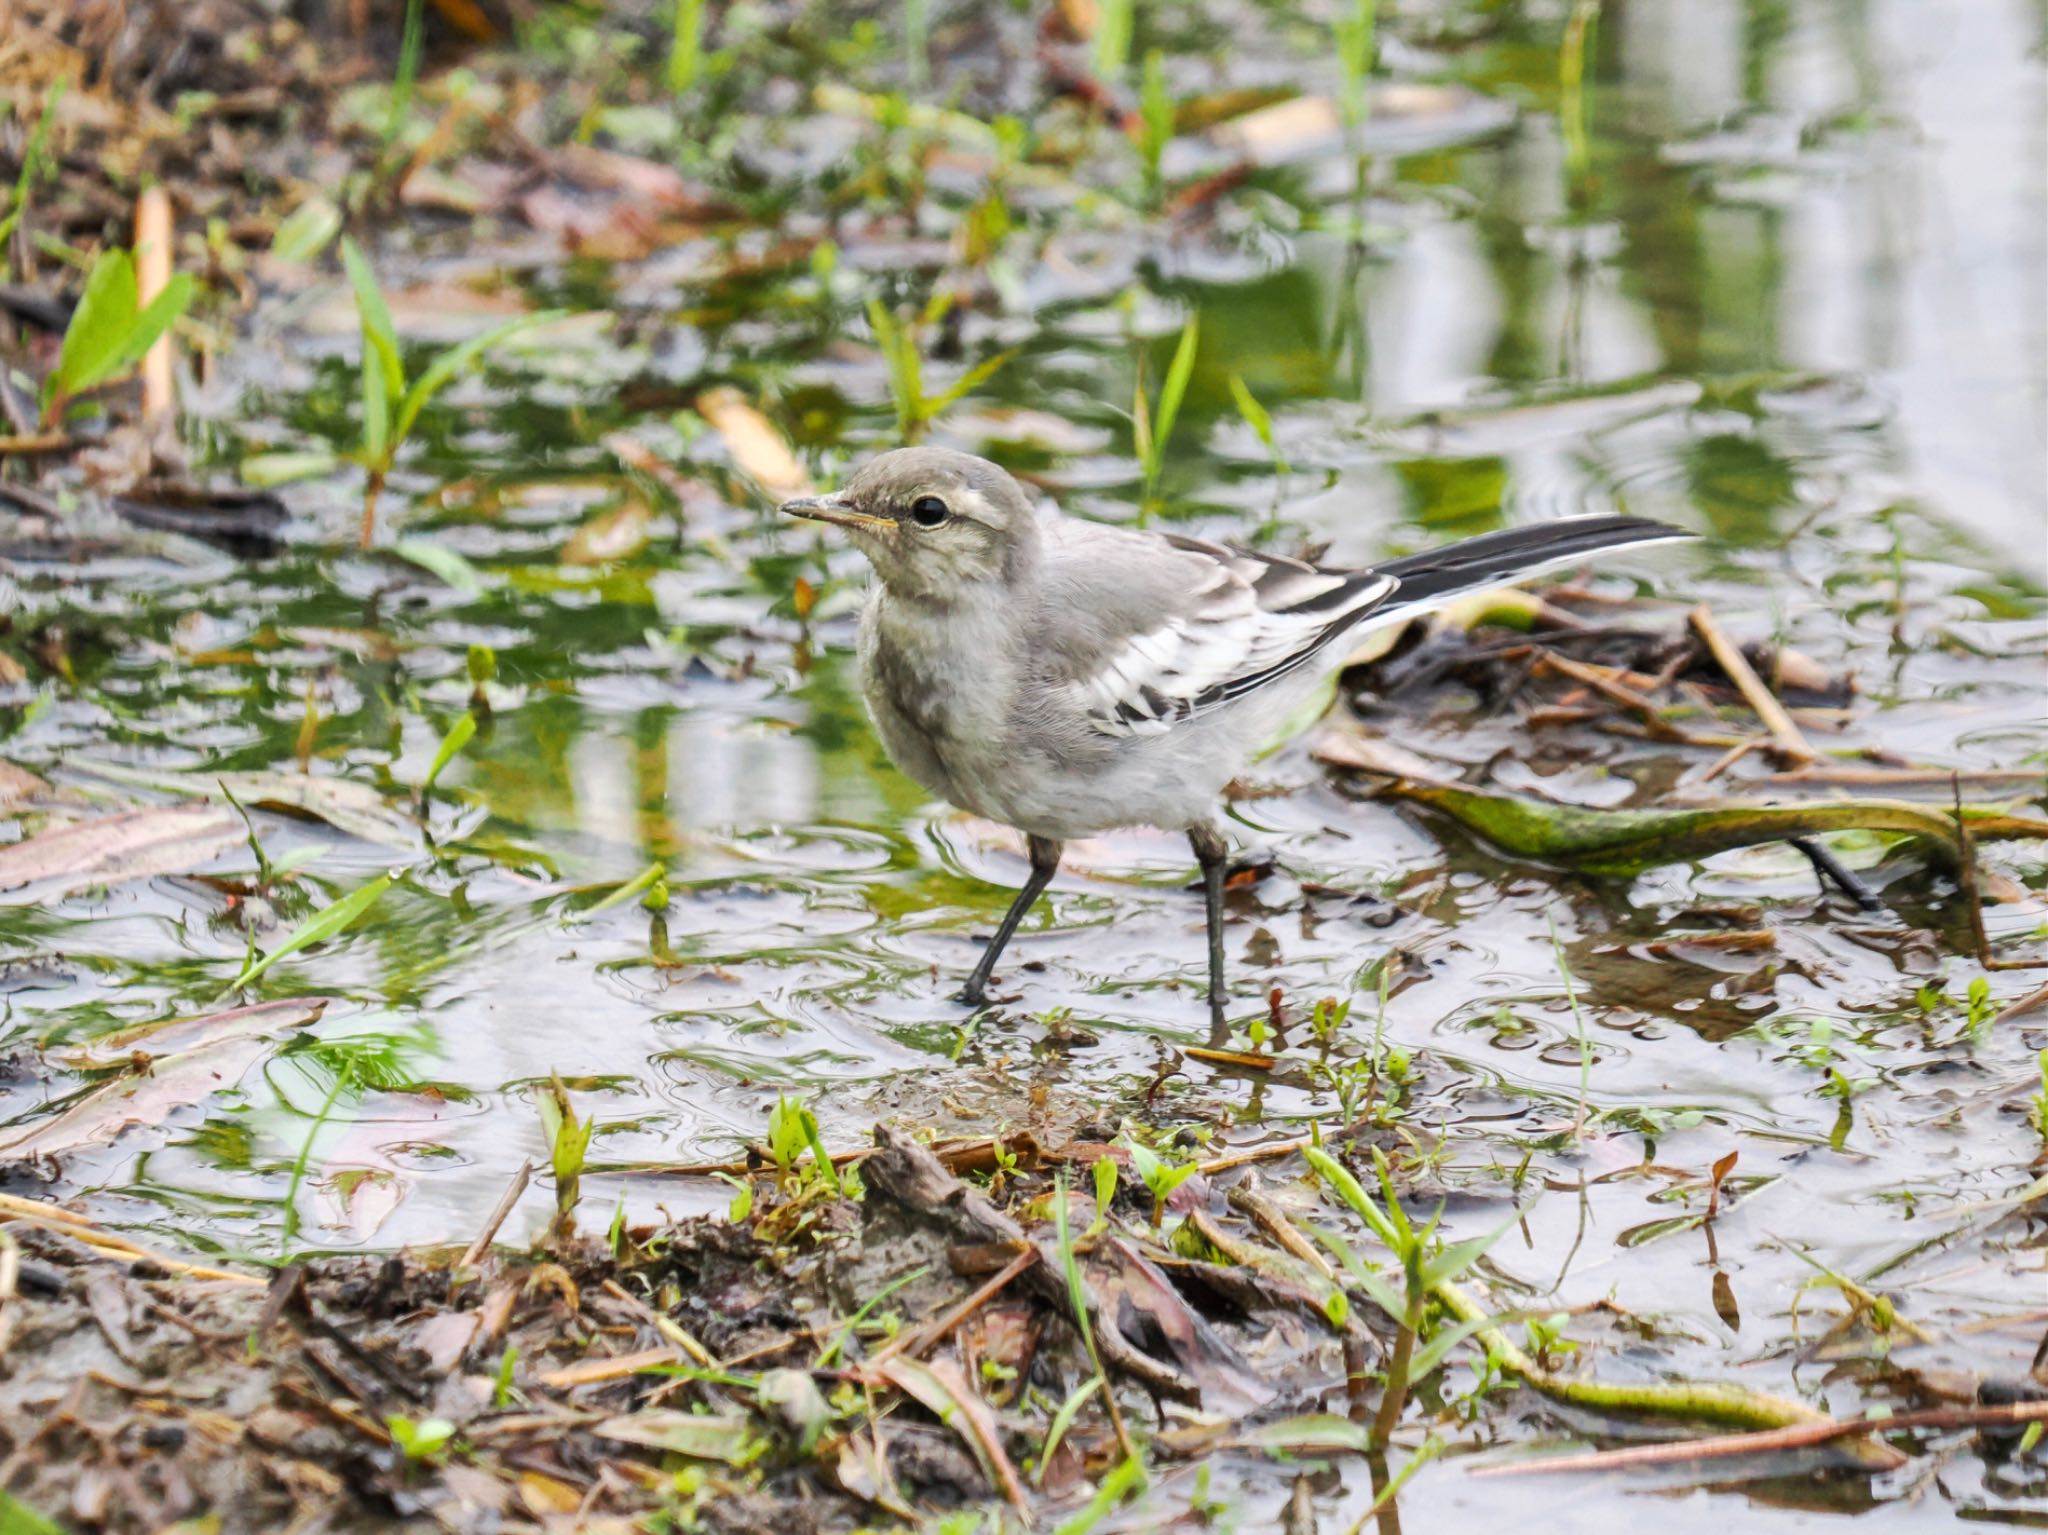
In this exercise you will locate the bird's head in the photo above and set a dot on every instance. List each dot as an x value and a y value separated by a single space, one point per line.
934 523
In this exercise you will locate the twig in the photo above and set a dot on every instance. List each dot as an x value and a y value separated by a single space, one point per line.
1730 757
1791 742
1828 867
916 1340
1973 896
1276 1225
152 275
1615 692
474 1253
1796 1436
34 442
1900 777
107 1244
2026 1004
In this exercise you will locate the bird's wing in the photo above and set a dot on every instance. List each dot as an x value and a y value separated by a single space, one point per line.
1181 626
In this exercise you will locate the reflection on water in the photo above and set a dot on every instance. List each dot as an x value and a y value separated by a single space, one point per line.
1785 287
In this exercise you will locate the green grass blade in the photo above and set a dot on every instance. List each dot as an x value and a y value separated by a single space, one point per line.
322 925
379 334
1174 389
451 362
458 736
438 559
33 165
1064 1420
686 47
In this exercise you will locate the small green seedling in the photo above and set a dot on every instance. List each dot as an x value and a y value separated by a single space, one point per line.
422 1441
1424 1266
568 1148
899 342
1158 1175
109 330
391 405
1980 1009
2039 1112
791 1128
1105 1174
503 1392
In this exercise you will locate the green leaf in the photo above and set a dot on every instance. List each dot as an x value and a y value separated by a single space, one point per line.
1178 372
969 381
422 1440
1257 418
322 925
700 1436
160 316
1381 1293
1434 1352
261 471
306 231
458 736
379 335
17 1518
1455 1259
1339 1178
1628 841
452 361
440 560
99 326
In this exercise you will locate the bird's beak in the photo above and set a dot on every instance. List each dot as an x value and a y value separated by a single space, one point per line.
834 508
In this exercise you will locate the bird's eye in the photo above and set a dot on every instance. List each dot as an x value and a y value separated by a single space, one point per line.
928 511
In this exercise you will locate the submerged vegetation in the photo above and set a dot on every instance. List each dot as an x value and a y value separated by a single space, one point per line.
470 1050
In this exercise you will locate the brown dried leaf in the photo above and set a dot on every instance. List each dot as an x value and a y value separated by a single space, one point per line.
164 839
172 1036
943 1391
756 447
146 1097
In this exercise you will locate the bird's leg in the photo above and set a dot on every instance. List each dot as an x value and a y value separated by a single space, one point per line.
1045 862
1213 854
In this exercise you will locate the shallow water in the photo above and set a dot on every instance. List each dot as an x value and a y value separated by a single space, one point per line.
1788 294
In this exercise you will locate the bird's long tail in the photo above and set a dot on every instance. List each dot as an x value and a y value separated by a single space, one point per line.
1434 577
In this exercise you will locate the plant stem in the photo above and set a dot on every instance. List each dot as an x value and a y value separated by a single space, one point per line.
373 487
1395 1396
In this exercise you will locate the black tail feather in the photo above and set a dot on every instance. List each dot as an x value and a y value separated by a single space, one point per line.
1497 559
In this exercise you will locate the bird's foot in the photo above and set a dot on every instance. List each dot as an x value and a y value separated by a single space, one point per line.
973 994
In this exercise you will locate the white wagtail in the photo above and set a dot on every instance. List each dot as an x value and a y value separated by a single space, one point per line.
1067 677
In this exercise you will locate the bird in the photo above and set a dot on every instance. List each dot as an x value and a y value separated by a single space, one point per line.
1066 677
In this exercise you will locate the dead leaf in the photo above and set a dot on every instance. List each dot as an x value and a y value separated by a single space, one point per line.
756 447
701 1436
18 786
163 839
171 1036
943 1391
1226 1382
544 1495
617 533
342 803
146 1097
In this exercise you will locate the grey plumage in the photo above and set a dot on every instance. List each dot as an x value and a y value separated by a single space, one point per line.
1066 677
